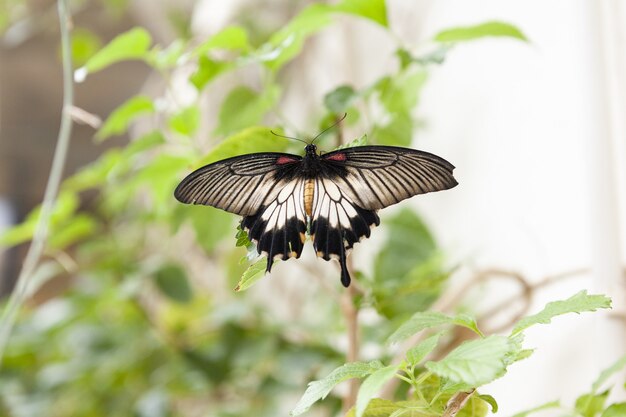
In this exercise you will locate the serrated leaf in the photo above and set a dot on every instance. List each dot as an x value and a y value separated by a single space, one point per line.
255 272
546 406
578 303
244 107
615 410
427 319
340 99
318 390
476 362
484 30
374 10
589 405
171 279
489 400
608 372
250 140
186 121
133 44
418 352
118 121
371 385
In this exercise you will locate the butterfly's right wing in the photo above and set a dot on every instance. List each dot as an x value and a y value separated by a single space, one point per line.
265 188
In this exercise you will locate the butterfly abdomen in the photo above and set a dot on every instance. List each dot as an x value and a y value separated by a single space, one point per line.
309 193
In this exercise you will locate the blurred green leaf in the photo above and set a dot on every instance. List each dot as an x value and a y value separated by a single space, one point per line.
418 352
340 99
255 272
318 390
408 272
243 107
475 362
95 174
427 319
398 131
232 38
186 121
361 141
578 303
160 177
84 45
250 140
375 10
171 280
133 44
372 384
211 225
118 121
208 69
615 410
607 373
144 143
483 30
75 229
168 57
589 405
285 44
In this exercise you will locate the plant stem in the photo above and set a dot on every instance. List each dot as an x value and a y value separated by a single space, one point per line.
37 246
456 403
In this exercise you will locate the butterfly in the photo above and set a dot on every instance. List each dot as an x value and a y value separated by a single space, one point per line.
333 197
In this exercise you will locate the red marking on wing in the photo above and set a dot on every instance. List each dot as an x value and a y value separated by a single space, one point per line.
285 160
340 157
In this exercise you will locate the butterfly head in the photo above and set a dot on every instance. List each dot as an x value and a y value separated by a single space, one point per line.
310 150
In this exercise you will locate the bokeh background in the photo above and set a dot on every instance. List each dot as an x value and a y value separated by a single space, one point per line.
537 131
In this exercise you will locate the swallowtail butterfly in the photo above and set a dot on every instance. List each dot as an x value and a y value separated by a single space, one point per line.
332 197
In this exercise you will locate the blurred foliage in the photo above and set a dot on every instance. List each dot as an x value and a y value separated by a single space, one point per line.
149 324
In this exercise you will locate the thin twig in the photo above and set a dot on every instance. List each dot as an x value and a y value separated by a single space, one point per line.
456 403
41 230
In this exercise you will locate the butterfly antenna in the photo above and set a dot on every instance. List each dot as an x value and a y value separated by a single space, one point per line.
329 127
288 137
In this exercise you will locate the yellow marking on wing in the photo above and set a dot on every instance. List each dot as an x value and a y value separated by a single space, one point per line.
309 191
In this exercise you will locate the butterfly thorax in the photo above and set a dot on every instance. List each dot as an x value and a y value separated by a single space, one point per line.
310 162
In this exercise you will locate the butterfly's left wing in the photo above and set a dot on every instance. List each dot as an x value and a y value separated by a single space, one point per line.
356 182
375 177
265 188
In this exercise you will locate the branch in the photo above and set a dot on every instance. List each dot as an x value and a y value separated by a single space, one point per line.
37 246
456 403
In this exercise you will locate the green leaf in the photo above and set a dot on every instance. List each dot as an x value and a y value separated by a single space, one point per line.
160 177
484 30
427 319
231 38
208 70
318 390
608 372
171 279
143 143
578 303
373 384
340 99
615 410
167 58
118 121
243 107
476 362
546 406
374 10
255 272
186 121
211 225
356 142
133 44
77 228
418 352
285 44
589 405
489 400
84 45
408 271
250 140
